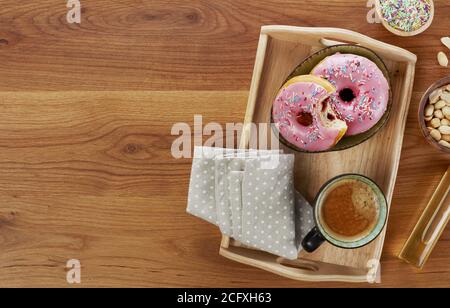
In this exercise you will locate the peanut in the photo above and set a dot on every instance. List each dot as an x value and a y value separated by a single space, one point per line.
446 41
438 114
436 135
435 96
445 96
444 143
429 110
439 105
446 138
442 59
446 111
445 130
435 123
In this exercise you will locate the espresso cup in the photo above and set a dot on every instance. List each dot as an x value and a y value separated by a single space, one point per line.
350 211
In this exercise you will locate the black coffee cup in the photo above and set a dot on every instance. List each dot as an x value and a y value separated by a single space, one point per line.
323 233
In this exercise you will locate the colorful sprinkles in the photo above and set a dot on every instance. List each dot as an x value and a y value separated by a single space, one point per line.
295 103
406 15
366 104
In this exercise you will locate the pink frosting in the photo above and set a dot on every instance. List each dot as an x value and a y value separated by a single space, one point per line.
368 103
295 101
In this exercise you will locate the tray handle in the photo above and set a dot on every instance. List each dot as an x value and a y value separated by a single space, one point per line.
320 36
299 269
327 42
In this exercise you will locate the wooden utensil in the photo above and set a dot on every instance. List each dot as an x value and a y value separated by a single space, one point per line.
428 230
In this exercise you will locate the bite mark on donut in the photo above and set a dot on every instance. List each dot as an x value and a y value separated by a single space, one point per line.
305 119
325 104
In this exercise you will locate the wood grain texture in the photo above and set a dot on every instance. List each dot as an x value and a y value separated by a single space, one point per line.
85 164
166 45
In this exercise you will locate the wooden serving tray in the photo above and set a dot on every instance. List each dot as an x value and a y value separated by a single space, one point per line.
281 49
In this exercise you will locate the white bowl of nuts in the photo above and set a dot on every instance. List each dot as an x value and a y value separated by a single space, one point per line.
434 115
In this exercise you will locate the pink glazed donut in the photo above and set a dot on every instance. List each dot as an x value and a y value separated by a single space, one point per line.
304 118
362 91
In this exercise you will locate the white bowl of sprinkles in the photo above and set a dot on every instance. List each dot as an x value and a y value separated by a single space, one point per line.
405 17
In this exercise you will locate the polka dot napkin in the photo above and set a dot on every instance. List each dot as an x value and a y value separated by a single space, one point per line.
268 207
202 189
250 195
226 197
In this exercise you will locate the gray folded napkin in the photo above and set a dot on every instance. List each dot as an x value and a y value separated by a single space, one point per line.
201 199
250 195
235 189
202 189
304 219
225 196
268 207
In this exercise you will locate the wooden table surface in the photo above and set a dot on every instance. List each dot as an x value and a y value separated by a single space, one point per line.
86 111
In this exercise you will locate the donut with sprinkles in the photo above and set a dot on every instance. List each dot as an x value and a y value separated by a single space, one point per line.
362 91
303 116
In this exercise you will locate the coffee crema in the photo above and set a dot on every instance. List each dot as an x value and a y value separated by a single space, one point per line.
350 209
